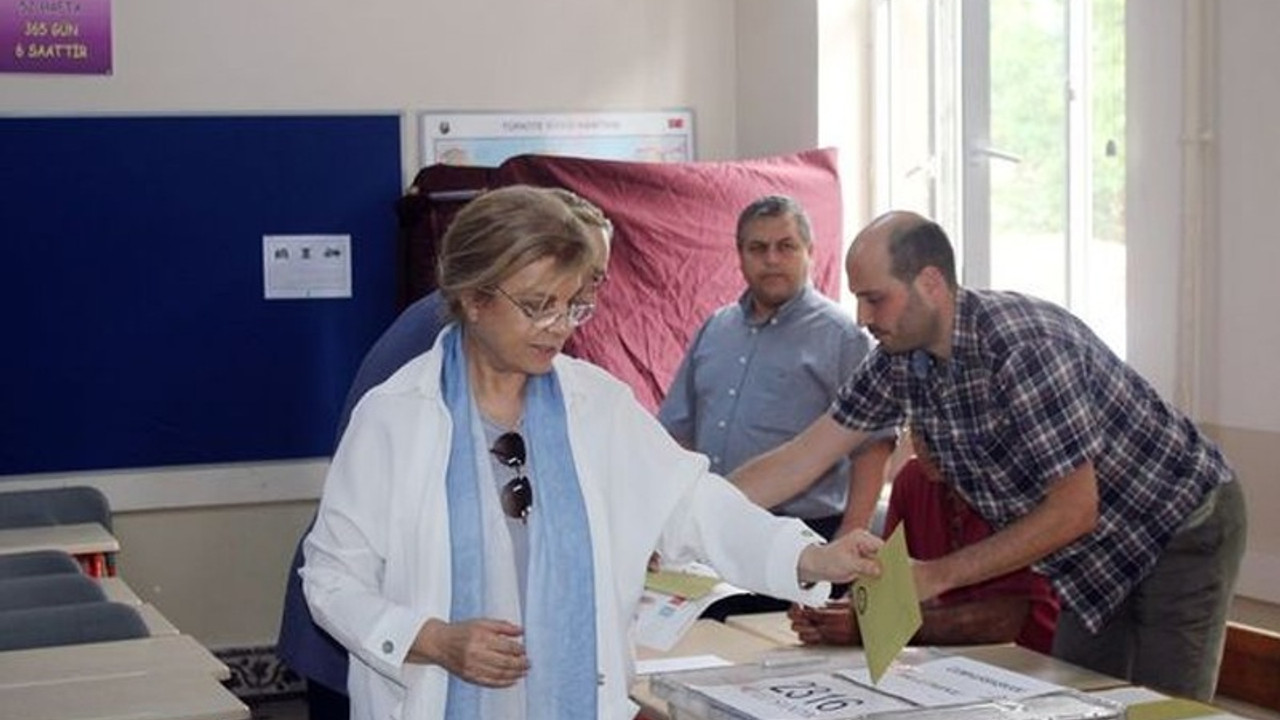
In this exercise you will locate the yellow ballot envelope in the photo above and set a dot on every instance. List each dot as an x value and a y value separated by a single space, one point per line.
1170 709
887 608
681 584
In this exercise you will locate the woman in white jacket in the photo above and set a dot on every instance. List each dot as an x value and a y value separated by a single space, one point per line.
482 540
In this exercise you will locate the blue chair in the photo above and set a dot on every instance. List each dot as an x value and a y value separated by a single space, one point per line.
69 625
49 591
54 506
37 562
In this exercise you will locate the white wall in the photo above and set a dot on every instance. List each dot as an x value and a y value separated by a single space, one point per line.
845 61
1241 377
1153 84
803 77
406 55
1203 185
777 76
1240 372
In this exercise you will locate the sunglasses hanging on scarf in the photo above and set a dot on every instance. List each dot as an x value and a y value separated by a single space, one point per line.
517 495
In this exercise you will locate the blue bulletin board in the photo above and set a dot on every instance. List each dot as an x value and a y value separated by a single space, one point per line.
136 333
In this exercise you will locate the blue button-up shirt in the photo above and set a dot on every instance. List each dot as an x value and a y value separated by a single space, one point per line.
1028 395
746 386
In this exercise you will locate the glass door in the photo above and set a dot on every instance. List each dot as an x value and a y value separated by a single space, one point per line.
1004 120
1044 124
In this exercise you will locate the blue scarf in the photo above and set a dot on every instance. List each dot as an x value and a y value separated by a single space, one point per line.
560 612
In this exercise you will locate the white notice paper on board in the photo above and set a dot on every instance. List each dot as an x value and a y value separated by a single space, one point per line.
306 266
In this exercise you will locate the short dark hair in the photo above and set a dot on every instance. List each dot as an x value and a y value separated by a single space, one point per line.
775 206
914 247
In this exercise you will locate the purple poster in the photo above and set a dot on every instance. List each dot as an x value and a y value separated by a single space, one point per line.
55 36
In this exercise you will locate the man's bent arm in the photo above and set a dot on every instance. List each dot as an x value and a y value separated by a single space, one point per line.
1067 512
866 480
996 619
789 469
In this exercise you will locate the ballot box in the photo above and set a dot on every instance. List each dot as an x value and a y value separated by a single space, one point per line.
921 685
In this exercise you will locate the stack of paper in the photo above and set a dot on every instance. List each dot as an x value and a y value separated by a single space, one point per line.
673 600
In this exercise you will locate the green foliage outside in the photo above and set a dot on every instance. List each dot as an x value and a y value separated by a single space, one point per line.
1029 112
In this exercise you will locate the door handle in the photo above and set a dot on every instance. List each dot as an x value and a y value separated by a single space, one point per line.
990 152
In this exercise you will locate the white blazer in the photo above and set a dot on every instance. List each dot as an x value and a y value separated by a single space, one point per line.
378 559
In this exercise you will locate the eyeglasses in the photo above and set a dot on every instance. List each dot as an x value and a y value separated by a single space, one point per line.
517 495
575 312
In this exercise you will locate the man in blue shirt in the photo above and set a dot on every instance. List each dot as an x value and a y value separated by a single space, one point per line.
1085 472
761 369
303 645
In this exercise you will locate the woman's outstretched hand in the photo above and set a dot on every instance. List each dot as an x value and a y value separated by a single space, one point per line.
845 559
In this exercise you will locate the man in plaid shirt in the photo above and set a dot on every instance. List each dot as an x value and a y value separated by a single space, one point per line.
1084 471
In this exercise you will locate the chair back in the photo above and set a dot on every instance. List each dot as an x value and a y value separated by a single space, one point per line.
70 625
48 591
38 562
54 506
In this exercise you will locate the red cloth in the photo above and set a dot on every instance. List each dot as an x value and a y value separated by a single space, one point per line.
674 258
940 522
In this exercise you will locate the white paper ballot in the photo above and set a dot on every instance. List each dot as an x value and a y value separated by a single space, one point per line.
677 664
953 680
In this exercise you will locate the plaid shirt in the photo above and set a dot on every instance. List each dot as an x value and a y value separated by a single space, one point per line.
1028 395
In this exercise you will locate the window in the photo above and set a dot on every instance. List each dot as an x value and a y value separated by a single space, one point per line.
1004 121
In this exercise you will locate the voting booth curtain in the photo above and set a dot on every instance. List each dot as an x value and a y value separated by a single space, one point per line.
674 257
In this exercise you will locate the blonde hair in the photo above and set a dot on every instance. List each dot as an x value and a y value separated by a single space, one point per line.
504 231
586 211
